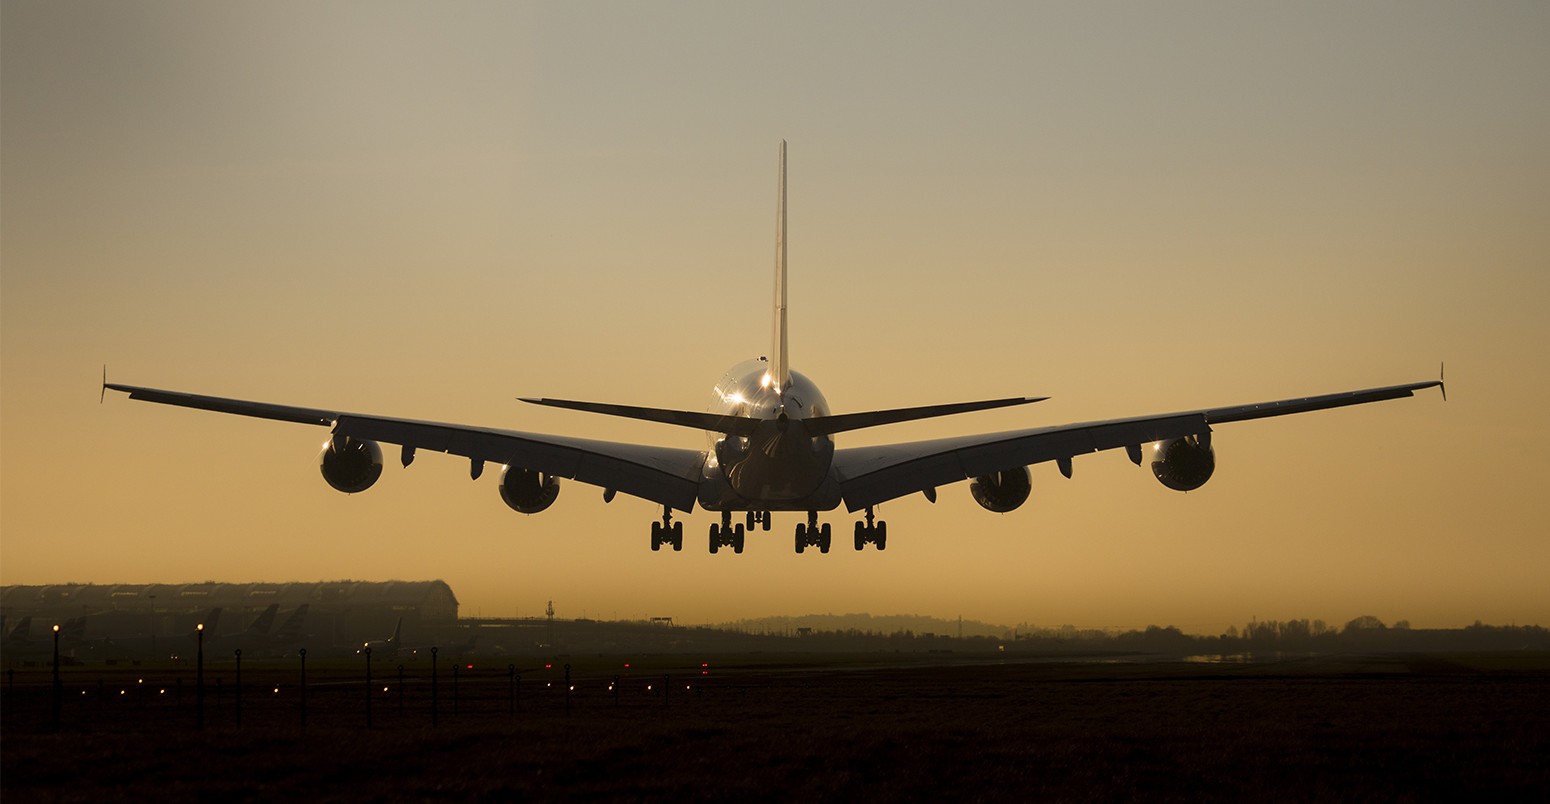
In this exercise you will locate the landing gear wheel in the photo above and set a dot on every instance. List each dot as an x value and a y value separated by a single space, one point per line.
656 536
801 537
823 539
882 535
860 535
764 517
715 538
678 536
737 540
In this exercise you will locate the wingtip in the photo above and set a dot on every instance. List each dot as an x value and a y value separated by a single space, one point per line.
103 397
1442 377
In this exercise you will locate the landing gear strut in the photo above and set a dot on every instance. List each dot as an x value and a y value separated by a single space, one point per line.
872 531
726 535
667 531
811 534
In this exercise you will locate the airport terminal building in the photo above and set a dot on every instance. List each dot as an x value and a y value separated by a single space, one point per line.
338 614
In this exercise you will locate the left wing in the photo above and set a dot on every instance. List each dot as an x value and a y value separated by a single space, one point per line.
872 475
664 475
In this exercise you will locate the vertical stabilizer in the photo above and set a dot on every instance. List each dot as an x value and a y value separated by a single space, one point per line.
780 367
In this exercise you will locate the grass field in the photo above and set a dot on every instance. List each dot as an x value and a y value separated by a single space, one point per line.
791 727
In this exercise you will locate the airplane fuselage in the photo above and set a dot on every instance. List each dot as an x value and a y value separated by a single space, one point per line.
780 466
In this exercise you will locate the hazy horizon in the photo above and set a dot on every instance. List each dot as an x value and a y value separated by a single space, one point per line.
426 212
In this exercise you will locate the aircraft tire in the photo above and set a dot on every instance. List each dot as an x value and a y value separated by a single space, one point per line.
678 536
737 540
882 535
823 538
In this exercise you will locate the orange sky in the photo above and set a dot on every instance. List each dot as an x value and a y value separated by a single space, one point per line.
1133 209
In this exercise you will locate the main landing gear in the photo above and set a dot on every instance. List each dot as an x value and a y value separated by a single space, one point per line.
870 531
669 532
726 535
812 535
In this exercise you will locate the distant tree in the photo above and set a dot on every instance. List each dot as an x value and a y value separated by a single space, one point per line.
1366 622
1402 625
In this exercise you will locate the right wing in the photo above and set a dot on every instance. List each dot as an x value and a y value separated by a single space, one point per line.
664 475
871 475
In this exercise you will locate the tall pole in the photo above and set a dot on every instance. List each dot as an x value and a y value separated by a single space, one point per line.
199 680
239 687
58 690
368 687
303 653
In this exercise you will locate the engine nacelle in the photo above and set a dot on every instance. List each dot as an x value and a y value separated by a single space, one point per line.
527 491
1184 464
1003 491
351 465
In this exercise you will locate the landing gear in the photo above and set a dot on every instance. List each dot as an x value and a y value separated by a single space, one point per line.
812 534
667 531
726 535
758 518
872 531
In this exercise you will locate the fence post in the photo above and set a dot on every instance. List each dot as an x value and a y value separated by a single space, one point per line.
433 687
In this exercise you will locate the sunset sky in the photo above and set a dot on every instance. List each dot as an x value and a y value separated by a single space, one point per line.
428 210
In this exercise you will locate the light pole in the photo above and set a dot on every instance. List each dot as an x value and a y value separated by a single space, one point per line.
57 689
199 678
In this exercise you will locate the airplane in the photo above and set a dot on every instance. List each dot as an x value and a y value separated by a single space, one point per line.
772 446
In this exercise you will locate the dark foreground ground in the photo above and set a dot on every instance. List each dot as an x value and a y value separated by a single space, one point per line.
867 728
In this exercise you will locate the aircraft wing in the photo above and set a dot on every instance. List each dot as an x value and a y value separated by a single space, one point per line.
871 475
664 475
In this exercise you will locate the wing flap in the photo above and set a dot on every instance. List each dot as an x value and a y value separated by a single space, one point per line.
872 475
664 475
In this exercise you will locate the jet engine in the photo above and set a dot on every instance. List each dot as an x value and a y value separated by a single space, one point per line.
350 465
527 491
1184 464
1002 491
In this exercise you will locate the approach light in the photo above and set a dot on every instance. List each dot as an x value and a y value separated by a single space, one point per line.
199 627
277 690
56 628
384 689
162 691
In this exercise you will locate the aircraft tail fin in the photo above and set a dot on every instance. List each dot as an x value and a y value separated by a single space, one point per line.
396 628
291 628
265 620
780 366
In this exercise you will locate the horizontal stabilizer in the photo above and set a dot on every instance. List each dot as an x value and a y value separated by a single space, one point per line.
845 422
745 426
731 425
